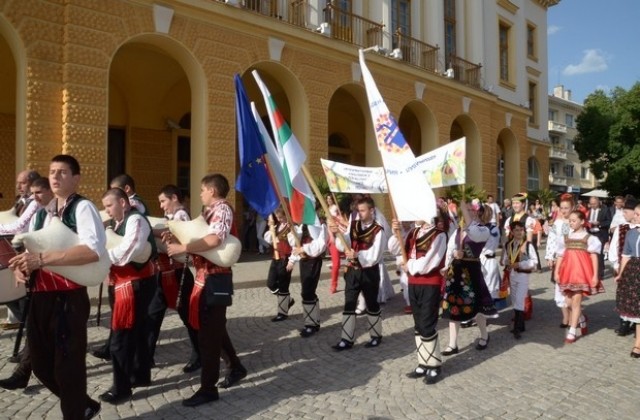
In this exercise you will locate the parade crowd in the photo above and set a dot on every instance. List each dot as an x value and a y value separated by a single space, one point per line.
472 260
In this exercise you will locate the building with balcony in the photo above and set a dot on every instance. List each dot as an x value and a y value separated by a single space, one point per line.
566 172
146 87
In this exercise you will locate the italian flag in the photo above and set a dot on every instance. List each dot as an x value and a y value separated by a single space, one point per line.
302 203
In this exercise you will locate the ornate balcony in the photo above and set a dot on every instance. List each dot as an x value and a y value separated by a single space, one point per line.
416 52
352 28
465 71
556 179
557 127
558 152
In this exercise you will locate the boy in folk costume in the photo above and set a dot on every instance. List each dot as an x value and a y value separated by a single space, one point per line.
175 281
64 373
426 247
279 277
211 293
135 285
520 259
366 237
313 240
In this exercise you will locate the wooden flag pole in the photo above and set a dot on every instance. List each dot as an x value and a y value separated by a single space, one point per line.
323 203
283 203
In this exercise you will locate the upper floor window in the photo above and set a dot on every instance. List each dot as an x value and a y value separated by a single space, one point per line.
533 100
568 171
531 41
400 18
503 35
555 140
570 145
568 118
553 115
533 175
584 173
449 29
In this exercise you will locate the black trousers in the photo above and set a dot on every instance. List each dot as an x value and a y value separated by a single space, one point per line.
279 278
158 308
213 337
57 334
365 280
130 347
425 304
309 276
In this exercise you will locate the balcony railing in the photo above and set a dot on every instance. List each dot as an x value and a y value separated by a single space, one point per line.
416 52
557 179
352 28
557 127
558 153
465 71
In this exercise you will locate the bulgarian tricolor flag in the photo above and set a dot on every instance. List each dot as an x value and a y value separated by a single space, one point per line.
302 203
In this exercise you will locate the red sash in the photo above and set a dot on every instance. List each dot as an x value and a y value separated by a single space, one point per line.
124 306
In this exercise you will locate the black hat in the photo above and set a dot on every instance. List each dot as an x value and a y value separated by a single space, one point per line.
630 203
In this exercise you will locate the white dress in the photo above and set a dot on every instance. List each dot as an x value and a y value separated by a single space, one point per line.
490 267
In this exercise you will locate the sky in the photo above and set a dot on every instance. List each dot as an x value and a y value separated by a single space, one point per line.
593 44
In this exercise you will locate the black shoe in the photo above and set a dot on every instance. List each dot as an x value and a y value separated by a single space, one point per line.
468 324
415 374
563 325
279 317
15 381
191 366
16 358
342 345
233 377
308 331
432 375
102 353
114 398
201 397
480 346
92 410
624 329
374 342
450 350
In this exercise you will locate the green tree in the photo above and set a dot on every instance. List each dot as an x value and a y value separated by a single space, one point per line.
609 137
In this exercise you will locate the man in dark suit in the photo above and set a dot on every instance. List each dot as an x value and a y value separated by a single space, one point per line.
599 218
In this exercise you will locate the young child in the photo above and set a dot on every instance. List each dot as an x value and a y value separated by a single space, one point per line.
520 258
577 271
279 277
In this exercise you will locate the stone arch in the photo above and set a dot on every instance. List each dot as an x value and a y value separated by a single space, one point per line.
348 115
465 126
13 109
508 144
419 127
287 92
169 107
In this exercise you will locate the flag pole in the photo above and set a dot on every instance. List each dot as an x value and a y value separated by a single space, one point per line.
323 203
283 203
395 217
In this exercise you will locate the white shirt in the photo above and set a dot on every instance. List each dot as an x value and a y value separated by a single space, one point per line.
371 256
593 243
22 223
430 261
136 234
318 242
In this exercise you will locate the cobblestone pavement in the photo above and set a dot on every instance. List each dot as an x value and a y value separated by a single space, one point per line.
295 378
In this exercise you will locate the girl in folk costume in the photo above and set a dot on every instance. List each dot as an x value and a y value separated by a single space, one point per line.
628 281
488 259
615 253
279 277
559 229
466 293
577 271
520 258
426 246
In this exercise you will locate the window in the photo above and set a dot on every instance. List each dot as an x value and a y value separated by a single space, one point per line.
568 171
400 19
553 114
555 140
584 173
531 41
449 29
553 169
568 119
533 175
533 97
504 51
570 145
500 188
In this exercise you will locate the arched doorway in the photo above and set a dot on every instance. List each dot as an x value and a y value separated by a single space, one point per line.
418 125
149 97
348 126
509 153
464 126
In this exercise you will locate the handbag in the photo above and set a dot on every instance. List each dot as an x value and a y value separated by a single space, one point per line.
219 290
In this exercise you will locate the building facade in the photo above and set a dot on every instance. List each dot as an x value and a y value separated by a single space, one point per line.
146 87
566 172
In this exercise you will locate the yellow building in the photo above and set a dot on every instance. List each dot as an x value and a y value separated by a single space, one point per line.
146 87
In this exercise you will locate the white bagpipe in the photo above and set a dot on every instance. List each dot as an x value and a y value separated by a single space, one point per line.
8 216
56 236
113 240
161 223
224 255
9 291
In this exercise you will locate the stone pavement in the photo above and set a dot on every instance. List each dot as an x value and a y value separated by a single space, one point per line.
295 378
